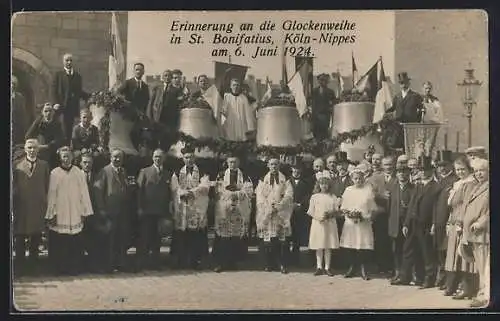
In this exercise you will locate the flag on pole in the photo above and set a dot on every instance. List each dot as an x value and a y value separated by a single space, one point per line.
214 99
267 94
284 73
116 64
354 71
304 66
296 86
368 83
383 99
224 72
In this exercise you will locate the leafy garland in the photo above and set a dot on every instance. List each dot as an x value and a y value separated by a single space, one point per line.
312 146
112 102
116 103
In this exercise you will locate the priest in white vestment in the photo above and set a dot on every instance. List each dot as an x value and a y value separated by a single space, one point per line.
68 206
274 196
190 199
232 215
238 115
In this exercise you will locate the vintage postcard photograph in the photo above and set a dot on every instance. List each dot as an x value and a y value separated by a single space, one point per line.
250 160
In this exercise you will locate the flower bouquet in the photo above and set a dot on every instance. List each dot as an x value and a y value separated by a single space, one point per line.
281 98
354 215
331 214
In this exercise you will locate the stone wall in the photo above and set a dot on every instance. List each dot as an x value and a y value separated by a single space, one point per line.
437 46
48 35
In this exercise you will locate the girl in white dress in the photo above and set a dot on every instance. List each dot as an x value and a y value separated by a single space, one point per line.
358 204
323 236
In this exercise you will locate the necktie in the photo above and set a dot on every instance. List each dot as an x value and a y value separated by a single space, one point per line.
274 179
31 166
189 170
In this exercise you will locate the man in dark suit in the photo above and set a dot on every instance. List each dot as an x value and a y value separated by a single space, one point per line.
381 180
154 197
446 178
323 100
300 221
164 107
66 94
408 104
135 90
399 197
417 231
49 133
112 202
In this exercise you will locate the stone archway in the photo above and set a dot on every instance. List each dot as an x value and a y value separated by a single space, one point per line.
34 78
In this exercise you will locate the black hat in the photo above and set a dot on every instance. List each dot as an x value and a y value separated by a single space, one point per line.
298 165
341 157
403 77
323 76
402 168
187 150
425 163
443 157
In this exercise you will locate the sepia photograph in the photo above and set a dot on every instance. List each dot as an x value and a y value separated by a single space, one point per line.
230 161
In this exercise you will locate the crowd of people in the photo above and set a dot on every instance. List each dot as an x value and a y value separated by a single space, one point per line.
422 222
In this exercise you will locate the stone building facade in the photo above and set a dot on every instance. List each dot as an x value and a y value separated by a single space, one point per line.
40 39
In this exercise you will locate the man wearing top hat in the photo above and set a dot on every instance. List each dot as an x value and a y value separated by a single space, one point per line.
400 192
233 208
418 248
446 178
323 100
407 105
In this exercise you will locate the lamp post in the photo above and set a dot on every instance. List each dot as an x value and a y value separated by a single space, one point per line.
469 90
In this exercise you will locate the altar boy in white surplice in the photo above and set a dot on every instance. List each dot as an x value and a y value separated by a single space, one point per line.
232 215
190 197
238 115
274 198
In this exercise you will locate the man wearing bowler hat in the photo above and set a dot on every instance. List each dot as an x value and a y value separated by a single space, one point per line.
323 100
407 104
418 248
446 178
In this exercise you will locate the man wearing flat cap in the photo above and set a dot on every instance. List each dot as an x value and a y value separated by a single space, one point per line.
446 178
323 100
476 152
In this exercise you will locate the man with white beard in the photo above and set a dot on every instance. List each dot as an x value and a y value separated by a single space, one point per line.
240 119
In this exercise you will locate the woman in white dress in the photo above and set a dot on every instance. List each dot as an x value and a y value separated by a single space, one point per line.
323 235
358 204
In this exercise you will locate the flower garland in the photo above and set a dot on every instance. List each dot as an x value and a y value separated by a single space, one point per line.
312 146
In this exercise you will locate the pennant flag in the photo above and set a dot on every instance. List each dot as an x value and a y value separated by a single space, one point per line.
116 64
369 82
304 66
354 71
224 72
296 86
383 99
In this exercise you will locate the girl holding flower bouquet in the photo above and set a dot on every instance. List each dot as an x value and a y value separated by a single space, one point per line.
323 235
358 204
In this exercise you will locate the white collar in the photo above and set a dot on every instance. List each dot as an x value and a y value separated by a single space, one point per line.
87 128
405 92
69 71
446 175
158 168
31 160
137 79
